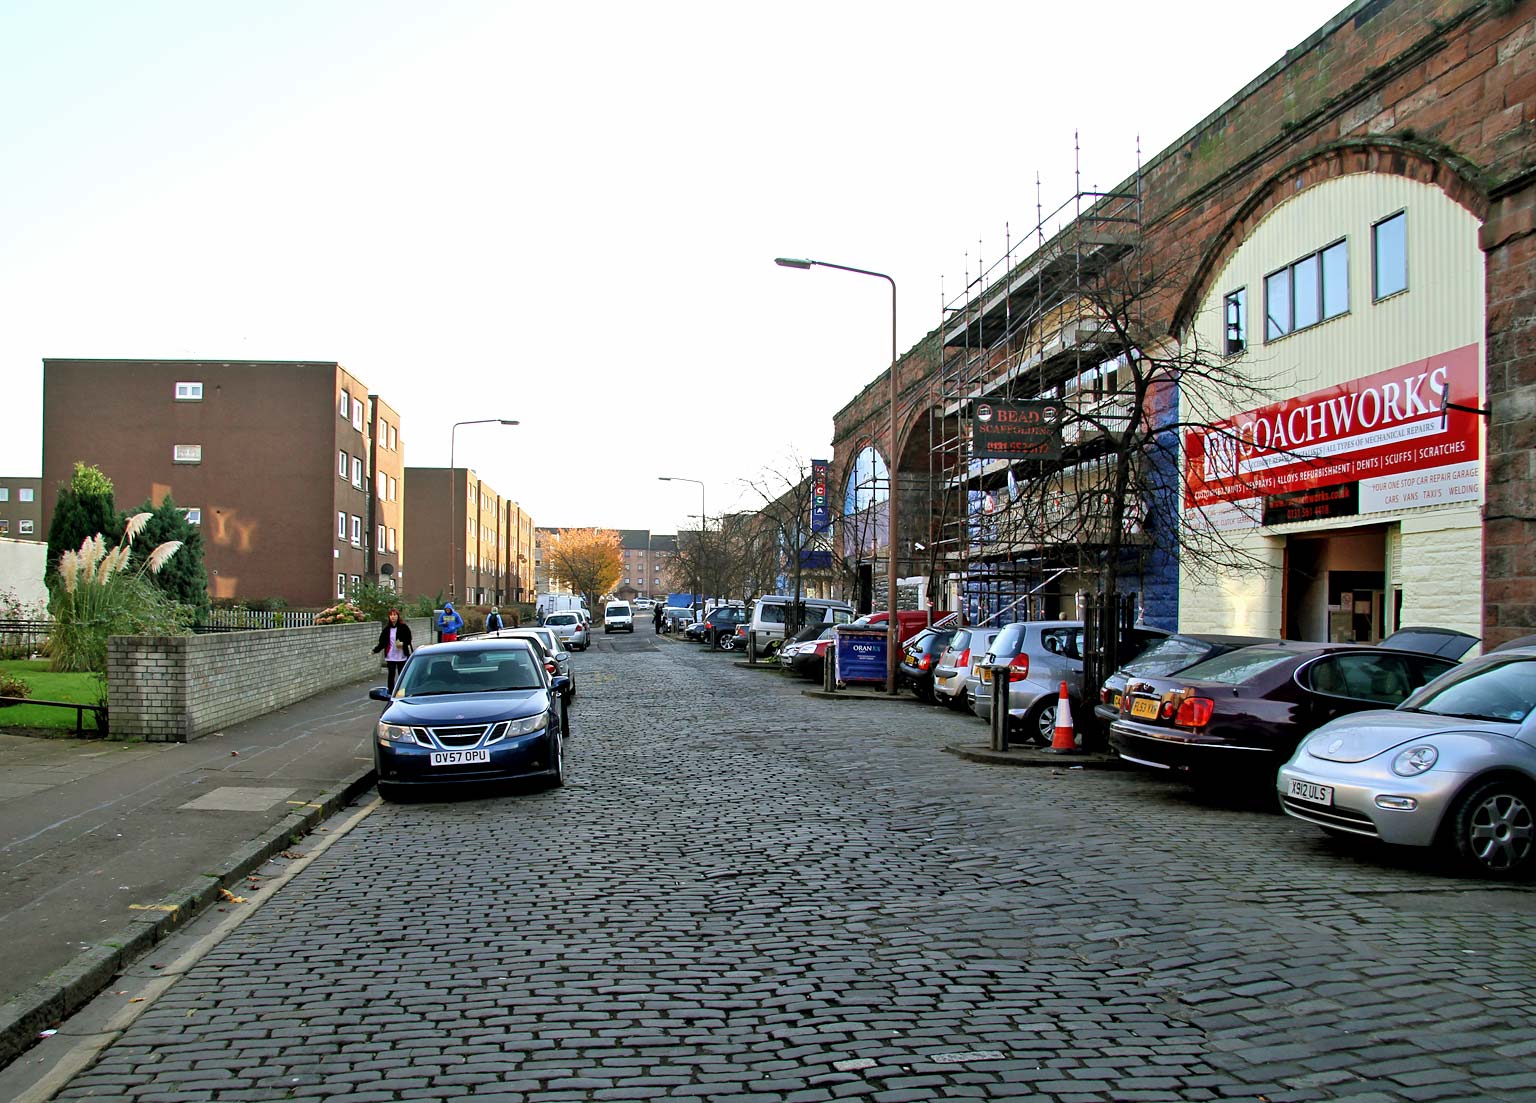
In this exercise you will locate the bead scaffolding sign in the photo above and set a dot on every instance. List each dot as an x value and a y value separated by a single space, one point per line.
1016 430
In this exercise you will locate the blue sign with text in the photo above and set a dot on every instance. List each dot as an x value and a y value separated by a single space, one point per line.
821 518
861 654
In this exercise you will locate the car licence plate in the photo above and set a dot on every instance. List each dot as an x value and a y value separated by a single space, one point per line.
1144 707
984 675
1310 792
1114 699
459 758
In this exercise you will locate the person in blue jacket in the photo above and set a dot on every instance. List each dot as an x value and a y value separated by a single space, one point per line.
448 623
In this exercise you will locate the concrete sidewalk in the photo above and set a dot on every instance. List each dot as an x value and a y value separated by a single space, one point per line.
105 847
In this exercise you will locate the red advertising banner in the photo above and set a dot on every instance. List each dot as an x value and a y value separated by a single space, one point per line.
1373 428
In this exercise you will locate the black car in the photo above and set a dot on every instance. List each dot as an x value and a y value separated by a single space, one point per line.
471 711
1168 655
1242 714
919 657
717 623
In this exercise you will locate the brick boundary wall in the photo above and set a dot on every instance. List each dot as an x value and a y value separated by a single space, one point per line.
173 689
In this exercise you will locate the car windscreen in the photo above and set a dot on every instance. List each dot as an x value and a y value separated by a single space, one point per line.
617 611
430 675
1171 654
1498 691
1236 667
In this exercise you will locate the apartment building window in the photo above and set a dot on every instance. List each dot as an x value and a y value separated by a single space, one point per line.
392 495
394 440
1235 313
187 453
357 415
341 526
25 493
380 534
26 527
193 515
341 585
356 582
5 526
189 392
382 484
357 472
1306 292
1389 256
5 494
357 531
391 544
346 406
342 466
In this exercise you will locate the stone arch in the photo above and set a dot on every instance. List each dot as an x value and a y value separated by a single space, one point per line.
1453 175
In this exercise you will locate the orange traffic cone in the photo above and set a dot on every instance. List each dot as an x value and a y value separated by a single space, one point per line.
1063 739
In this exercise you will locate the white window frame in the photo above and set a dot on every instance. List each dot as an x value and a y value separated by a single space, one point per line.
357 531
189 391
357 415
342 464
345 408
380 535
186 453
25 494
5 494
393 488
357 472
394 440
381 484
341 524
5 526
341 586
193 514
355 580
391 540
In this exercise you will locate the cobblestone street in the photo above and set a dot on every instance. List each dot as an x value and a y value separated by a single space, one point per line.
746 895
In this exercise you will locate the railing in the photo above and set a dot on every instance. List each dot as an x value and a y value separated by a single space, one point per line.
100 711
240 620
16 635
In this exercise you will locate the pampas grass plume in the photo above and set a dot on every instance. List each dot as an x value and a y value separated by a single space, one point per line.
135 526
158 557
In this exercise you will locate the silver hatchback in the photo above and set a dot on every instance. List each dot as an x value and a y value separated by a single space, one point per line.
1041 654
953 679
570 629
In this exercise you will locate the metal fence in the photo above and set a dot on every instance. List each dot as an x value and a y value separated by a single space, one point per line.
22 637
240 620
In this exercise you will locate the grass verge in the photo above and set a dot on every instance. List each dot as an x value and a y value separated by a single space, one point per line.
46 685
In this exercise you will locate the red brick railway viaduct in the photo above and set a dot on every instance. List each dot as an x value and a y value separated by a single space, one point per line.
1441 91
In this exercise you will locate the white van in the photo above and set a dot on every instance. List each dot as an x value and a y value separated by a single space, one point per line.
765 627
618 616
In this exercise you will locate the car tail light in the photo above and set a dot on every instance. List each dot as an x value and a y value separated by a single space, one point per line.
963 660
925 662
549 666
1195 712
1019 667
1103 696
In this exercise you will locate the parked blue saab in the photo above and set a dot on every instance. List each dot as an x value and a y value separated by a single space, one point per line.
472 711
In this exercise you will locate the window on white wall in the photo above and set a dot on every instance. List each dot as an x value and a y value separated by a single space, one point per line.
1306 292
1389 256
1235 316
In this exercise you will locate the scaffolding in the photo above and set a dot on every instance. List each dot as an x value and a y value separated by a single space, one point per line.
1023 328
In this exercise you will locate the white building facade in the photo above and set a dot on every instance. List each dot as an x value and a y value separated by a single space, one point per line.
1355 310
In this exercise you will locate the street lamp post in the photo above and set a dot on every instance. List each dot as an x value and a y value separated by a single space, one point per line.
453 496
892 628
702 514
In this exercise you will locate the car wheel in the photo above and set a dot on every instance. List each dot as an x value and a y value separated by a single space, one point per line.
1040 722
557 766
1493 829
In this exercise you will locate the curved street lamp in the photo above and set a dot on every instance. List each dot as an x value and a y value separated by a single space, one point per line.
893 630
453 496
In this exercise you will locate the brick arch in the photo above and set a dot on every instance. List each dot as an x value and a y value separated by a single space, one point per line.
1410 159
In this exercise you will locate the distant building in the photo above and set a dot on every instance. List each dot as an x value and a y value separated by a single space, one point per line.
21 508
293 470
647 558
492 560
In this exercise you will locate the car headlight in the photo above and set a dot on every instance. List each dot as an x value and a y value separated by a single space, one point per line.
396 733
1415 760
526 726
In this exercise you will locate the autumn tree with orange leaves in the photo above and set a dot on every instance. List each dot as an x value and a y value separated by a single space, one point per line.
589 561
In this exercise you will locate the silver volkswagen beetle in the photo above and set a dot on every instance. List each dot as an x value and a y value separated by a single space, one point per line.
1453 767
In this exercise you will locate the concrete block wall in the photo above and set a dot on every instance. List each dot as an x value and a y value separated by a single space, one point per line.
178 688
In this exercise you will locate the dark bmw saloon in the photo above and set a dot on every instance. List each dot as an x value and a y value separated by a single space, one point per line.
471 711
1242 713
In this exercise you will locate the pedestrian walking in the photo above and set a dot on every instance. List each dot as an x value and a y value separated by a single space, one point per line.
448 623
656 619
493 620
395 642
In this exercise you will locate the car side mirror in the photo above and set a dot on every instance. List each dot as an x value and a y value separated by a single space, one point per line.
560 683
378 693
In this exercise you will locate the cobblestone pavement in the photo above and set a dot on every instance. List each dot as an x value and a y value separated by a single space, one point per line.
745 895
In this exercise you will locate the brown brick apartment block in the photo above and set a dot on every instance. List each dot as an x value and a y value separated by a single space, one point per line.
294 472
